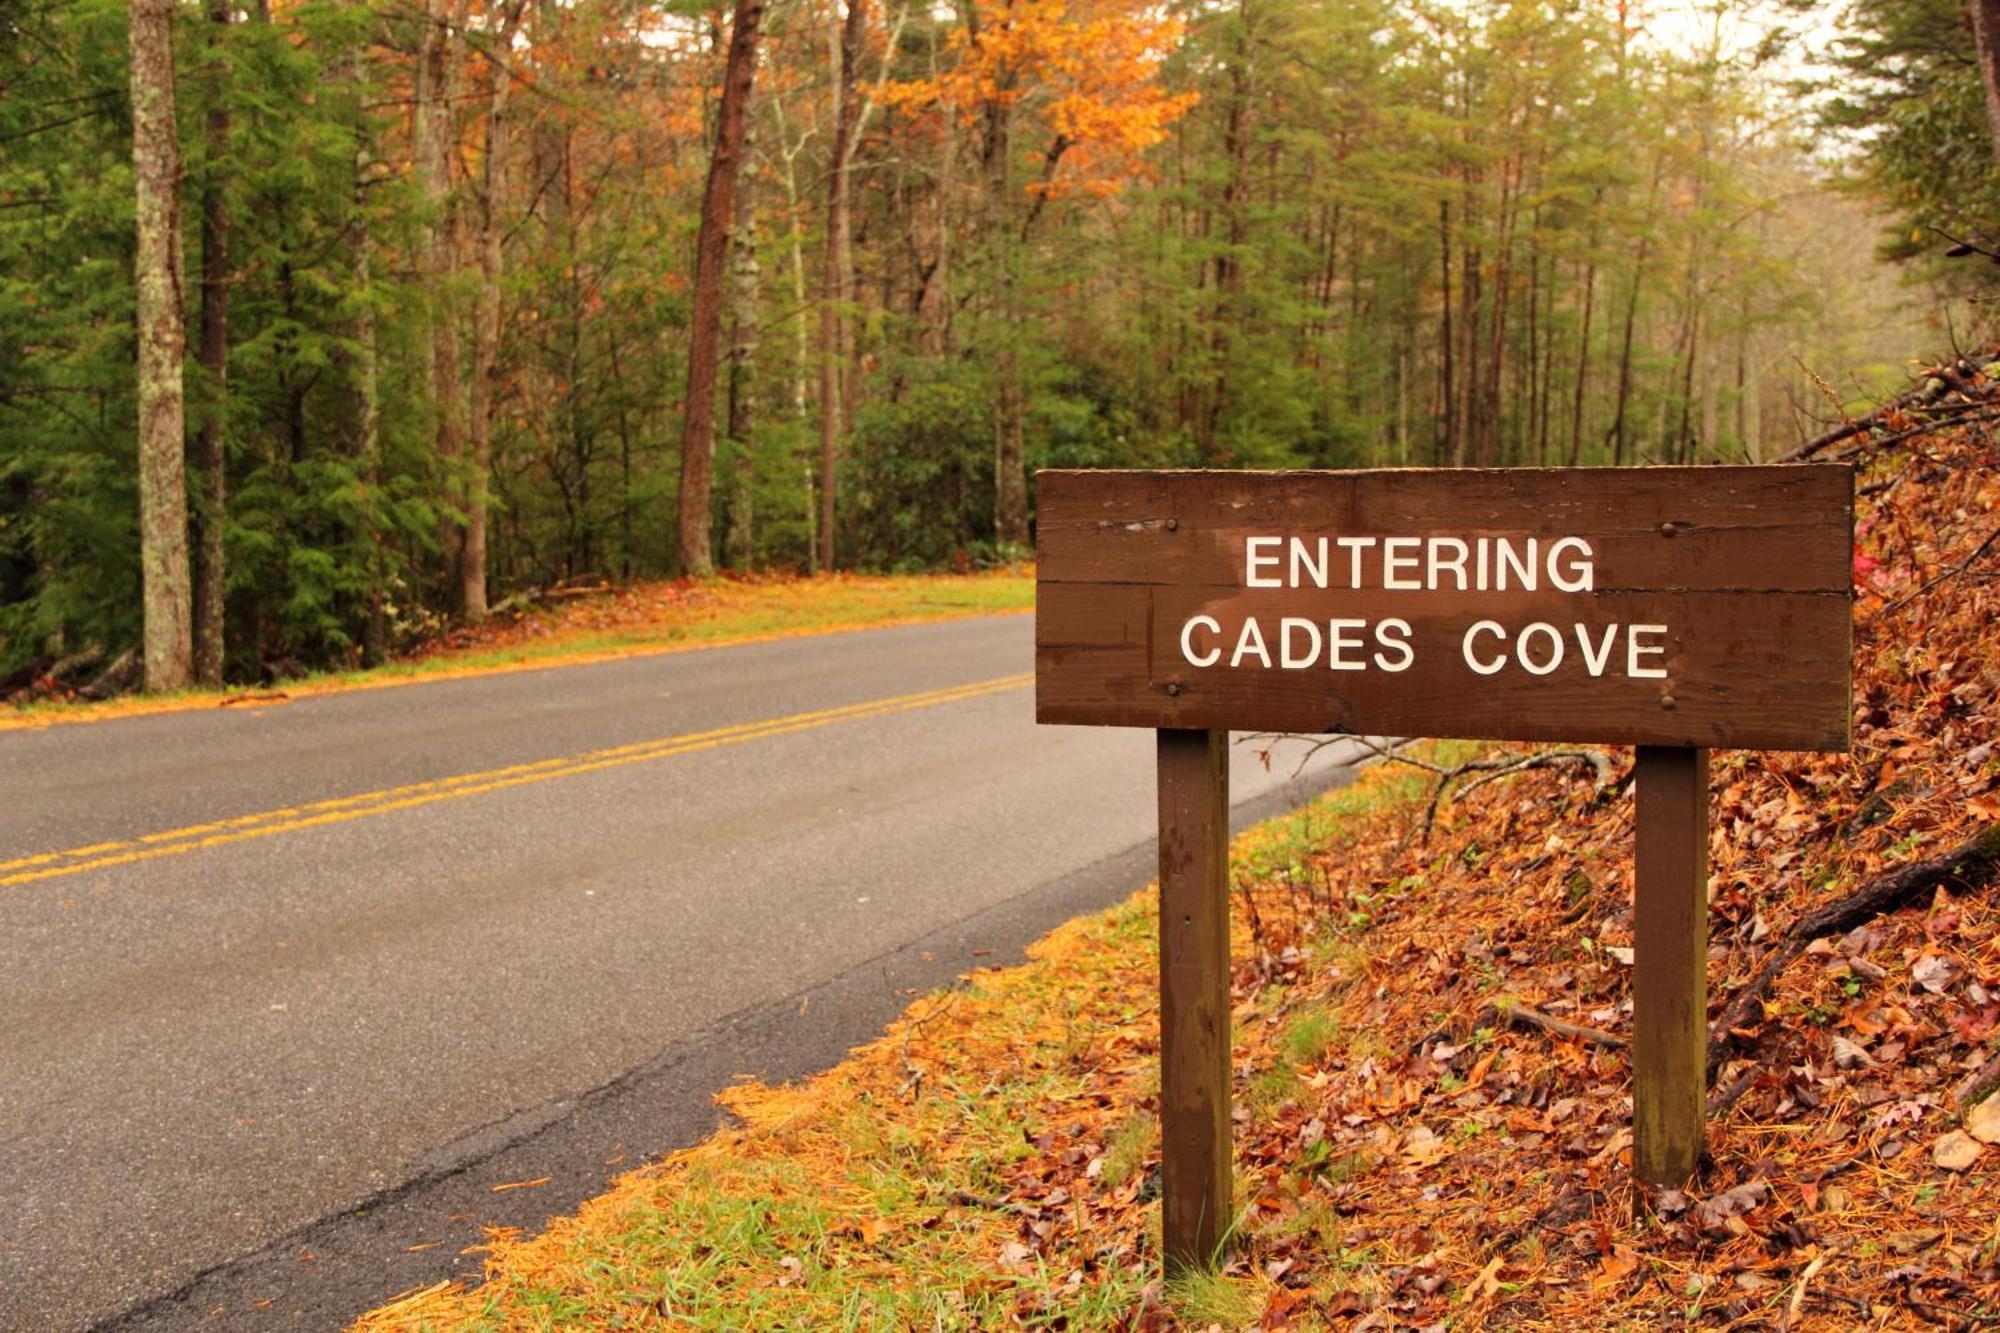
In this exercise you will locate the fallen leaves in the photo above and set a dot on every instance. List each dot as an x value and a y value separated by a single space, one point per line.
1956 1151
1982 1122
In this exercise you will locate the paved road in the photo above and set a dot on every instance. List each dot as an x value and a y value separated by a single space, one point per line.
284 991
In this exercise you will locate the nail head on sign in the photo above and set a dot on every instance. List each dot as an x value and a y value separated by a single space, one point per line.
1173 525
1668 529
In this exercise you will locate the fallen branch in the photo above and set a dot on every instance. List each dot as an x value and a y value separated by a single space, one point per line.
1937 1314
1977 1086
120 676
1953 572
1387 750
1501 766
1722 1100
1909 403
1512 1013
1970 865
1964 418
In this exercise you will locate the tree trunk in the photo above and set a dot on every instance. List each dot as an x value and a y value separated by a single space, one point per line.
1985 32
486 322
718 205
1486 449
1229 262
163 529
1625 358
1447 442
742 381
210 443
1582 358
368 410
1010 488
440 58
837 282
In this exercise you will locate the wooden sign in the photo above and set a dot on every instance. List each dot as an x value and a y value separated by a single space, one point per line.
1673 609
1649 606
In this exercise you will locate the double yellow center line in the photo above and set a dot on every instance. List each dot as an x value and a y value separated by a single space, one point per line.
195 837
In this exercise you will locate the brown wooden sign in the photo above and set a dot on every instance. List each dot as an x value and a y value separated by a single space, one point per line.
1658 606
1673 609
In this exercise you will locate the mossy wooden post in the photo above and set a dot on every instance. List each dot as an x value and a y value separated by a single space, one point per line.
1670 958
1194 996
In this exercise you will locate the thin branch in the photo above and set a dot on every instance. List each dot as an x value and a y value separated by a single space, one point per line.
1953 572
1512 1013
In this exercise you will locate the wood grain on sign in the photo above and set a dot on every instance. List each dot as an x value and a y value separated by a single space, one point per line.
1741 573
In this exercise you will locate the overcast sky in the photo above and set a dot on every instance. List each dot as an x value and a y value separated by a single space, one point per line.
1688 25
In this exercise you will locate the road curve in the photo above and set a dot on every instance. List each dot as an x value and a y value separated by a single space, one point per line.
285 991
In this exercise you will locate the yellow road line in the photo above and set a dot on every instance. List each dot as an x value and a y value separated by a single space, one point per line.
291 813
218 833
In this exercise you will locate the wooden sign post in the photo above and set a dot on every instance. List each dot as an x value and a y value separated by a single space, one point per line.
1672 609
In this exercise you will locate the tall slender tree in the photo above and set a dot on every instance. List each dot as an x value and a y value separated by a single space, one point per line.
843 49
741 386
156 169
440 69
718 208
485 401
211 458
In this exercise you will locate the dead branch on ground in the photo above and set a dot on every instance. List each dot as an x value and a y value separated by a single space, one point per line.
1969 866
1512 1013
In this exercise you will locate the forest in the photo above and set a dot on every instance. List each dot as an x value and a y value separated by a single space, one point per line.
331 322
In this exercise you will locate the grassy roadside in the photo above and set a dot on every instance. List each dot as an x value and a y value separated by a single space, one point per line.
885 1192
630 622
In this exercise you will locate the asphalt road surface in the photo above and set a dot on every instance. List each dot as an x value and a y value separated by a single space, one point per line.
286 990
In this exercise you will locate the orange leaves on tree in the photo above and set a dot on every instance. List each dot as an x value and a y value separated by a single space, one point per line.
1091 71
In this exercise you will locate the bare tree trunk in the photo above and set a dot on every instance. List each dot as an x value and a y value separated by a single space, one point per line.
742 381
210 443
486 319
718 207
796 266
364 362
1447 445
837 282
1229 262
1487 442
802 338
1986 32
1010 482
936 317
163 531
1582 358
368 410
439 65
1625 358
1010 497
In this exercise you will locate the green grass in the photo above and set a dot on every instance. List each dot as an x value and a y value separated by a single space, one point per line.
1128 1149
1202 1299
1309 1036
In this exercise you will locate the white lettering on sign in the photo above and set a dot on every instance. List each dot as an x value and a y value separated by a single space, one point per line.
1420 565
1413 564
